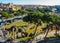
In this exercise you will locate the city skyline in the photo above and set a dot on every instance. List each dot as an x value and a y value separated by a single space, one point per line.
32 2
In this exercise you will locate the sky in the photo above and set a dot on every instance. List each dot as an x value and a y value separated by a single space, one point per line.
32 2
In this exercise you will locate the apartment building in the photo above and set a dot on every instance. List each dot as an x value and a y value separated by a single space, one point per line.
9 6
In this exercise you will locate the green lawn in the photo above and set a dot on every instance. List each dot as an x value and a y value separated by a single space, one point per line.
17 23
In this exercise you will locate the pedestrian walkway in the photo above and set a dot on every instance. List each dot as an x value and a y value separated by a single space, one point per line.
41 36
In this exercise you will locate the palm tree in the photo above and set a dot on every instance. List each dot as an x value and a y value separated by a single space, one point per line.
48 27
37 24
55 22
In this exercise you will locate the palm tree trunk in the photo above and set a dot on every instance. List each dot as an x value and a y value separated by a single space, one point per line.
56 33
46 35
56 30
35 30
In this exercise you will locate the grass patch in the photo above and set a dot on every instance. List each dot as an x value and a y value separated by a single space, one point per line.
17 23
25 38
51 37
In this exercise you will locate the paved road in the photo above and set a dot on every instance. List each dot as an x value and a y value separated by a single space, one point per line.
14 19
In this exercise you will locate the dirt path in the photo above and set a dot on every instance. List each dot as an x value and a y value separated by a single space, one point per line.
41 36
